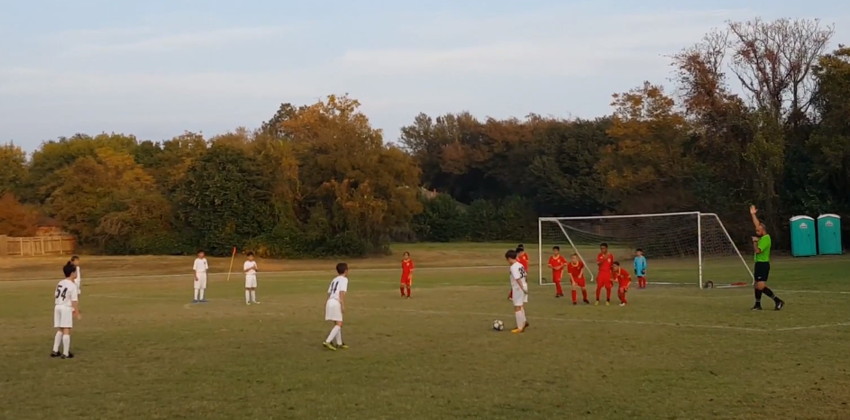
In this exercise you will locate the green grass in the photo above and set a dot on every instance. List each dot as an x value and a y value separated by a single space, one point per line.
675 352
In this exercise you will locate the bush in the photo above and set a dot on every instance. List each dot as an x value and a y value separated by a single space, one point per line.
441 220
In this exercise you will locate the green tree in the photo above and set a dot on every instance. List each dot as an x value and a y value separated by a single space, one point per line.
224 200
13 168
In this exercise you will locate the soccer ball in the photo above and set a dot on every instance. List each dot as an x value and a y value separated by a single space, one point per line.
498 325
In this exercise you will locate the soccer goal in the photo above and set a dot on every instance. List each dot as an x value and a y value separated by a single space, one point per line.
681 248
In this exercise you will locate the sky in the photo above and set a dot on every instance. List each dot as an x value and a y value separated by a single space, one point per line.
158 68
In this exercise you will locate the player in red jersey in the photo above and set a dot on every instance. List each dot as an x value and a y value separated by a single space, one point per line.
557 262
576 269
522 258
604 260
623 280
406 275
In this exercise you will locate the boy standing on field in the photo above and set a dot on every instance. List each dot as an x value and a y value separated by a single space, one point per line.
522 258
604 260
250 269
640 268
407 268
557 263
200 268
623 281
335 307
66 308
519 291
576 269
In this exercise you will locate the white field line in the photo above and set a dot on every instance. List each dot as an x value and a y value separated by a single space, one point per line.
496 315
238 275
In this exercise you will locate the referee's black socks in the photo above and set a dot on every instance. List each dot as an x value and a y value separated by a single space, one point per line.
758 296
769 293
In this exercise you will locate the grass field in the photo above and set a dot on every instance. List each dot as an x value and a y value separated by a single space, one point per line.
143 351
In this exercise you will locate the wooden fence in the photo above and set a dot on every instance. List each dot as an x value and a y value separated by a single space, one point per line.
36 245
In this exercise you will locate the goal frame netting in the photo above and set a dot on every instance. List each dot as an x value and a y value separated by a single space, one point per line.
698 228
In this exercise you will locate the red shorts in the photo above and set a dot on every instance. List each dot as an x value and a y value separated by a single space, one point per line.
405 281
556 277
580 282
604 280
625 285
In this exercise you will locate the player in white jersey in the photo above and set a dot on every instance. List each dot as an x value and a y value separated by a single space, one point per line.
335 307
200 269
250 269
519 289
67 306
75 260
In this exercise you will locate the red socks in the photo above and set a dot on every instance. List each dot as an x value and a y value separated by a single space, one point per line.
408 291
573 294
621 293
401 288
583 294
559 291
608 293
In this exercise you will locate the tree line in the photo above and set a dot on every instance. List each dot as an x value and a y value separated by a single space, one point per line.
758 112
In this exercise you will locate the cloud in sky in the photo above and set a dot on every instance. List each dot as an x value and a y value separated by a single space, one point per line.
155 77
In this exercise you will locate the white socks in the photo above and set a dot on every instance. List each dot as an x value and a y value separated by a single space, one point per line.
66 344
201 294
254 296
334 332
247 296
520 319
197 292
339 337
57 341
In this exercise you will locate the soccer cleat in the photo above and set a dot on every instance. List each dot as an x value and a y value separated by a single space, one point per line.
779 304
756 307
195 301
517 331
586 302
575 303
526 326
597 303
203 301
342 346
622 303
69 356
608 303
55 354
255 302
329 346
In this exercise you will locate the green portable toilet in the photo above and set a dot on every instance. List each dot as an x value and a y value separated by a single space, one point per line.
829 234
803 242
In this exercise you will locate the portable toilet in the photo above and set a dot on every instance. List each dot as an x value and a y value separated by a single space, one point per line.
829 234
803 242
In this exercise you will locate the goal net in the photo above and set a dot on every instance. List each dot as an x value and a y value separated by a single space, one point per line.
680 248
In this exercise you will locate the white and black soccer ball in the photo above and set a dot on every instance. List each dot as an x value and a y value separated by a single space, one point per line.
498 325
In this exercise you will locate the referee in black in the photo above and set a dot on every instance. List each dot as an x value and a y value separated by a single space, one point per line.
761 249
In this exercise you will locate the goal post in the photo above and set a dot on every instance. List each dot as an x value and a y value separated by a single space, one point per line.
681 248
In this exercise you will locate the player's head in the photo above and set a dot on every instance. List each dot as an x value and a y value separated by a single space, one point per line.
511 256
574 258
603 247
520 249
75 260
615 265
761 230
342 269
556 250
70 271
406 255
639 251
250 255
201 254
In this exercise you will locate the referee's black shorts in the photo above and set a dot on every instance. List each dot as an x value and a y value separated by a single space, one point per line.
761 271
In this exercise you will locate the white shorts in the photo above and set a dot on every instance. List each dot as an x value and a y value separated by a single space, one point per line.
333 310
63 316
518 297
250 281
200 280
79 289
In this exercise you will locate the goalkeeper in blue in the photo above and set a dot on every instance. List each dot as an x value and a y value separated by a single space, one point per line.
640 268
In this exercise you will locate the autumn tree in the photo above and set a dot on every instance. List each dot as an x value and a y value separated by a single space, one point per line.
348 176
649 156
108 201
16 218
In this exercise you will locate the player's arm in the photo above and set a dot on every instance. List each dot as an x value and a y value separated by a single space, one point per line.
756 248
754 216
342 300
